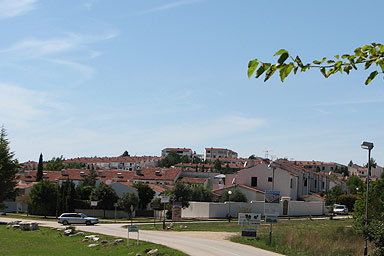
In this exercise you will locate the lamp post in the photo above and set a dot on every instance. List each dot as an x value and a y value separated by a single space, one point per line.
229 205
368 146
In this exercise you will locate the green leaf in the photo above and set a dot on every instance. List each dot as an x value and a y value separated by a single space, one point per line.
283 73
270 72
337 56
371 77
366 47
280 52
368 64
262 68
345 56
283 57
316 62
322 70
322 61
330 61
252 65
298 61
295 70
289 68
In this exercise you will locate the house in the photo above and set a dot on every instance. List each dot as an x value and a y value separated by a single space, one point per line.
319 166
214 153
180 151
195 180
252 194
362 172
157 175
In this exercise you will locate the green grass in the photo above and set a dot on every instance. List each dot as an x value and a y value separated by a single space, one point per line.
290 237
51 242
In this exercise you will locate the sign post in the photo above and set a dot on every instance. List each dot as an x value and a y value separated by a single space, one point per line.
133 229
253 219
115 205
93 204
164 199
271 208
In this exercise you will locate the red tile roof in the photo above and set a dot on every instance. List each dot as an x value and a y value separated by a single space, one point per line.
193 180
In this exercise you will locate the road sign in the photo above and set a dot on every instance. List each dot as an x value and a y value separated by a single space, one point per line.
249 218
249 232
133 228
115 204
93 203
156 206
164 199
272 203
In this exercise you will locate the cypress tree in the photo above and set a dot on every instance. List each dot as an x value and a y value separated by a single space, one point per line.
39 174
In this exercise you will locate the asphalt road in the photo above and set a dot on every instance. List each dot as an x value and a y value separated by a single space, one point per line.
183 241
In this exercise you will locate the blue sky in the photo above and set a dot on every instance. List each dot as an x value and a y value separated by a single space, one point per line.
95 78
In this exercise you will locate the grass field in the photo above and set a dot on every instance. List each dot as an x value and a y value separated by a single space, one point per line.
50 242
290 237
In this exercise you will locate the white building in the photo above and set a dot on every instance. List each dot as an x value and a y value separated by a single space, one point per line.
215 153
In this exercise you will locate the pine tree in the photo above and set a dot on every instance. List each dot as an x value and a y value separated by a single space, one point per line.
8 169
39 174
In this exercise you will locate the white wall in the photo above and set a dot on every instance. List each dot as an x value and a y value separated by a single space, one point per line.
220 210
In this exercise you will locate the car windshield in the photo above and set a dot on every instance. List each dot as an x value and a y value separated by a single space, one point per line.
339 207
83 215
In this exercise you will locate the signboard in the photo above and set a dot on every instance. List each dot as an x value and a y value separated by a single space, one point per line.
176 211
272 203
115 204
133 228
271 219
93 203
248 232
249 219
157 206
164 199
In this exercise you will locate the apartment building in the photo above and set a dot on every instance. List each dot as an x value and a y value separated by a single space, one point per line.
217 153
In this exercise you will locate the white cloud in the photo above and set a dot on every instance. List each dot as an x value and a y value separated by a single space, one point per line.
167 7
19 106
11 8
32 48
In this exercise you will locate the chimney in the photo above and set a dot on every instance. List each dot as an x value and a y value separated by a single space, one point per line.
158 173
119 175
100 173
82 174
64 172
45 175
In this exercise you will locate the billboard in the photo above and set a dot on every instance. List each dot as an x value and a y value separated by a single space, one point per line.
272 203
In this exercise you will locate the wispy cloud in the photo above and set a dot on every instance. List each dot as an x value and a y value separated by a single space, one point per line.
167 7
12 8
19 106
352 102
32 48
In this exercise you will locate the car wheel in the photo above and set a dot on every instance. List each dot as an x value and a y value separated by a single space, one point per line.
65 222
87 223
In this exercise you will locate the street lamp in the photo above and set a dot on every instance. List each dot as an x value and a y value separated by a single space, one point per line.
368 146
229 205
273 166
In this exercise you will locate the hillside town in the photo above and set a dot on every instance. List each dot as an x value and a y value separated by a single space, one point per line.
219 170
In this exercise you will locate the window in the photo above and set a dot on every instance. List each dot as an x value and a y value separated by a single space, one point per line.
291 183
269 179
315 183
323 168
324 186
254 182
305 182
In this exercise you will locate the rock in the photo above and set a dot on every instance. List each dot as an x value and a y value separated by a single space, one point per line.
3 223
78 234
92 245
16 226
104 242
119 240
27 226
114 243
85 240
153 251
138 254
96 238
14 222
70 227
68 232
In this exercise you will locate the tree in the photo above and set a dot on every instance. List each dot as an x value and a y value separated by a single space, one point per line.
74 166
355 184
146 194
171 159
373 163
181 192
43 198
374 231
90 179
185 159
56 164
67 197
8 169
84 192
332 197
367 55
106 197
200 193
125 153
39 173
252 157
217 165
237 196
128 202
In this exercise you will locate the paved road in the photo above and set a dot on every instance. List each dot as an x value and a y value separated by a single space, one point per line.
182 241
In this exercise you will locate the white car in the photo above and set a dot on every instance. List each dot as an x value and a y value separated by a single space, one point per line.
340 209
76 218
